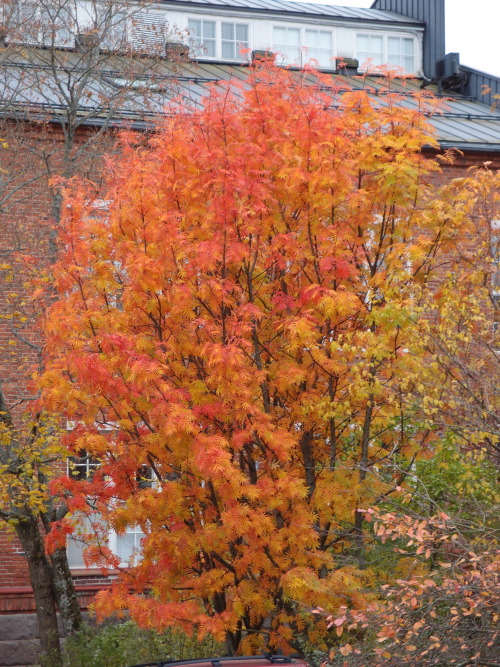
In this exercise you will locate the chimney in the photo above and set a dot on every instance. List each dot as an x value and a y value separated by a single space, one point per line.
431 12
262 55
176 51
347 66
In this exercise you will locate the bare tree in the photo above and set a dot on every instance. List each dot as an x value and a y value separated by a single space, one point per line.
71 73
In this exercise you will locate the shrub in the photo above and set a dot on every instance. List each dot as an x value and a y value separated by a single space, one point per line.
121 644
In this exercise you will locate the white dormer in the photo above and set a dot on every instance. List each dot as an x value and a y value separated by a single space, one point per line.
222 32
227 33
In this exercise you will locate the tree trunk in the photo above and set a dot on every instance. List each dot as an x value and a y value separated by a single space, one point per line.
41 581
67 600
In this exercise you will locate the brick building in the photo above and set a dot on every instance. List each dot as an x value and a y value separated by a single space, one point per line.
56 125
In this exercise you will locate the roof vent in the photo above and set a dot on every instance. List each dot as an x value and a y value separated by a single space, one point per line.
450 75
347 66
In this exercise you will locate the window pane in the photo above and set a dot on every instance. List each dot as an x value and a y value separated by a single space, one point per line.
75 549
363 43
209 49
242 33
293 37
194 27
75 544
325 39
129 543
376 45
228 50
324 59
227 31
279 35
293 54
209 29
408 47
394 44
409 65
125 546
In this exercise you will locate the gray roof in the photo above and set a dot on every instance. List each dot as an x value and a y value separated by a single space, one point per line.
302 8
461 122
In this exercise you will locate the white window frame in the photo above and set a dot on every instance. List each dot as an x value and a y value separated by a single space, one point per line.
237 45
304 56
113 541
385 49
30 14
197 49
307 48
402 55
112 538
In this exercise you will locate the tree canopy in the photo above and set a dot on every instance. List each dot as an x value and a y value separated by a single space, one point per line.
236 339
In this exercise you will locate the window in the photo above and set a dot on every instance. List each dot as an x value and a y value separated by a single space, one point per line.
203 34
219 39
82 467
286 41
234 38
392 50
319 46
400 53
299 45
125 545
51 25
370 47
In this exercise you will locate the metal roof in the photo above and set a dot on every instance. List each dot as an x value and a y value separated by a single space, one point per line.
461 122
302 8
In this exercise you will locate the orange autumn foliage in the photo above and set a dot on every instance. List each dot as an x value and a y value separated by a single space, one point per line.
238 311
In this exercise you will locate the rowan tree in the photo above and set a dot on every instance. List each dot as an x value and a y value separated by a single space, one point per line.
236 315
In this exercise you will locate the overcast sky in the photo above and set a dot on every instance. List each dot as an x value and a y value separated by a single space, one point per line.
472 29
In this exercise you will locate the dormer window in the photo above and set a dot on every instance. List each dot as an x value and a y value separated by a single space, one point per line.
392 50
234 39
400 51
203 34
299 45
286 41
319 46
224 40
370 47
